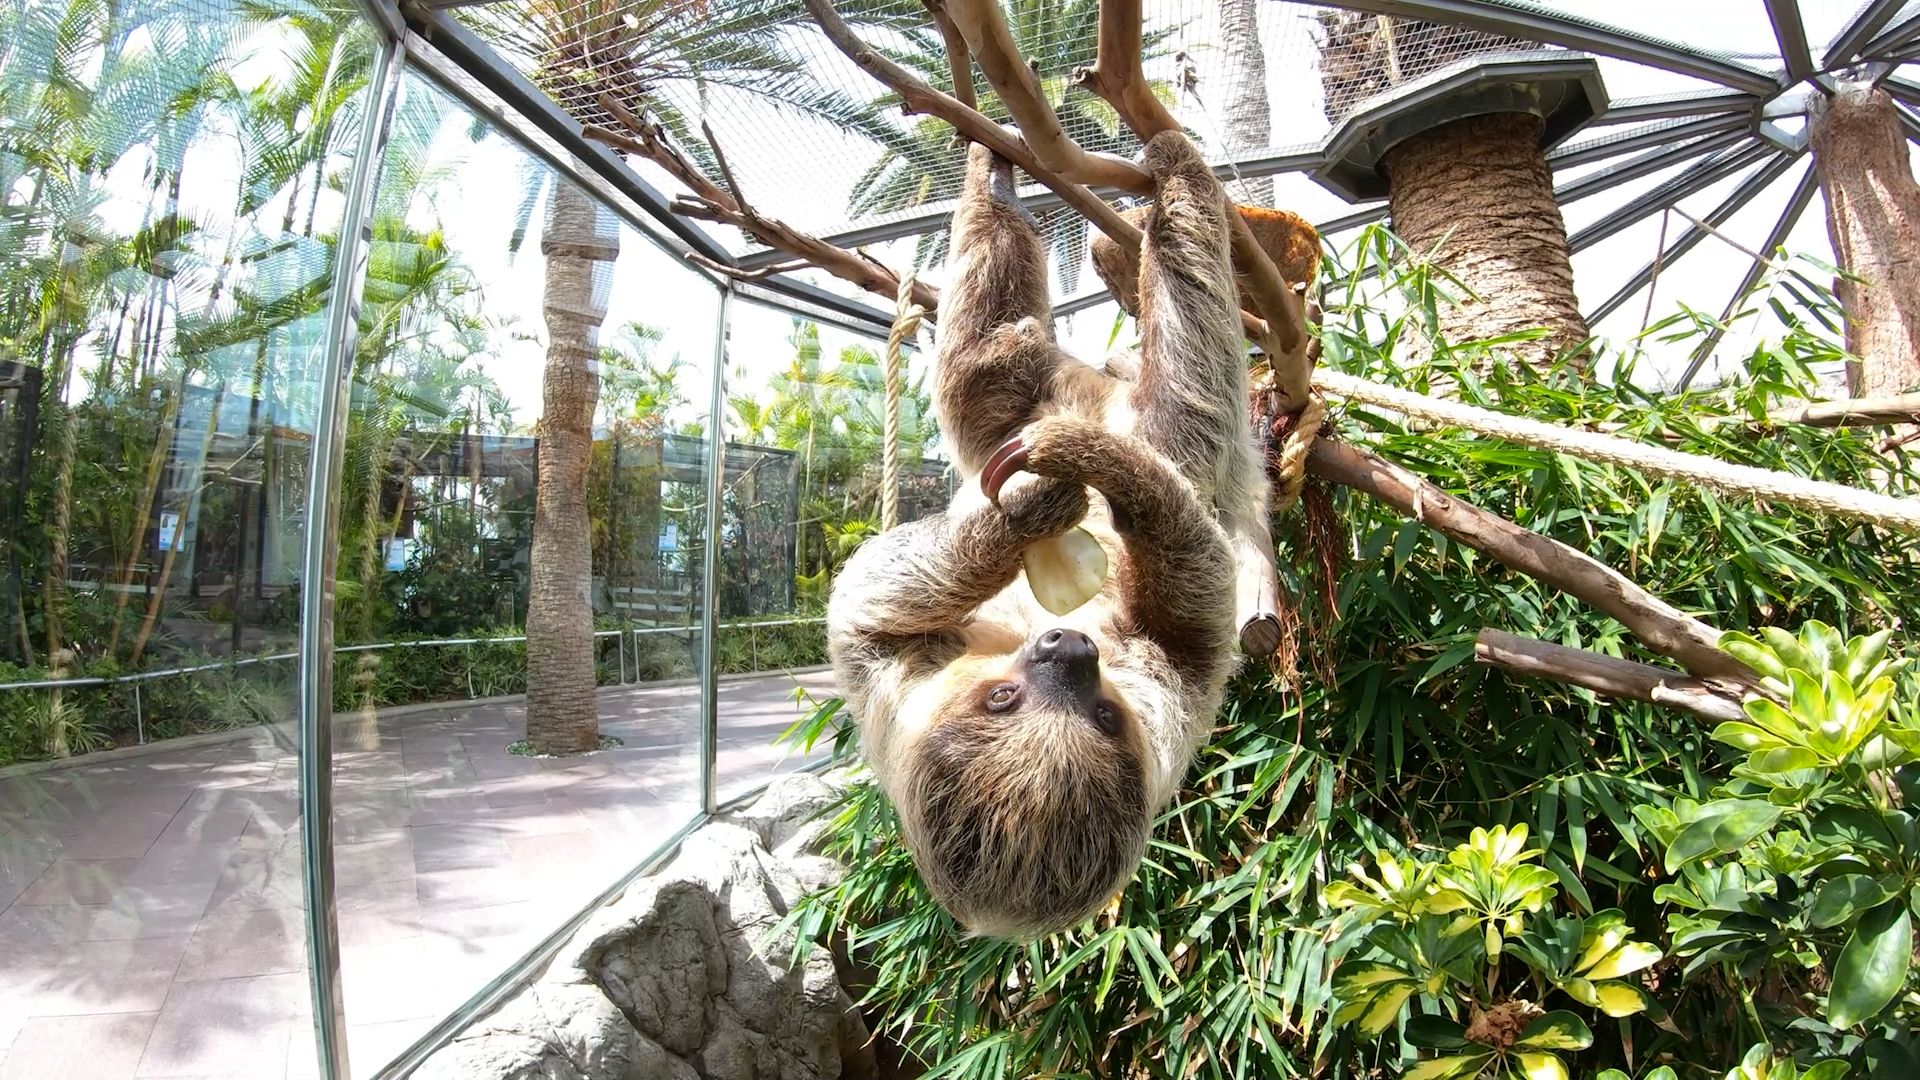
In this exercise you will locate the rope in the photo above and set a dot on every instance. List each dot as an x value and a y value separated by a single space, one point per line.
906 324
1290 460
1766 485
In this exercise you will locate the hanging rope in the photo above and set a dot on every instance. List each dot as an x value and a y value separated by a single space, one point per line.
906 324
1725 477
1297 433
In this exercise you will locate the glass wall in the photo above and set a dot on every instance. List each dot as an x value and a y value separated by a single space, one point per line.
171 200
188 192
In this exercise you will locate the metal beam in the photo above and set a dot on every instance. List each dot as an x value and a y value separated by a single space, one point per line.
1852 38
1789 217
1537 23
1636 110
488 68
936 215
1701 176
1606 146
1661 157
1752 186
1082 302
1895 37
1791 32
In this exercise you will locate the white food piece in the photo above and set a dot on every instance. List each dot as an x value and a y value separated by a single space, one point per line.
1065 571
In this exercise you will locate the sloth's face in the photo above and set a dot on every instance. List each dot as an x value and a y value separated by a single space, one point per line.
1024 797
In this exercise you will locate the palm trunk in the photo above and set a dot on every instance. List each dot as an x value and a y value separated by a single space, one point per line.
561 716
159 594
1873 206
1477 197
1249 116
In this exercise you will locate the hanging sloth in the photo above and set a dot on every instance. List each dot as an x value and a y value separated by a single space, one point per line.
1027 752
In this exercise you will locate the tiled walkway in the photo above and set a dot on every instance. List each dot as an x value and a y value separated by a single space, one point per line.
150 906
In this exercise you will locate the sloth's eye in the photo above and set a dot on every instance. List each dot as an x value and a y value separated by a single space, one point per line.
1002 698
1108 718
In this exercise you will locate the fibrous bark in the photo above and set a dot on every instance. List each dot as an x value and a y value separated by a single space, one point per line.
1476 196
1873 207
581 242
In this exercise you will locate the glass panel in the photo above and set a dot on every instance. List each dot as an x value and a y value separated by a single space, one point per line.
171 177
495 288
805 414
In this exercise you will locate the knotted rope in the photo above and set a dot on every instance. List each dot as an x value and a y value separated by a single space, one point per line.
906 324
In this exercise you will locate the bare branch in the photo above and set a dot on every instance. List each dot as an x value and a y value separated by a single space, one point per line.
726 172
1607 675
918 97
1658 624
1853 412
959 60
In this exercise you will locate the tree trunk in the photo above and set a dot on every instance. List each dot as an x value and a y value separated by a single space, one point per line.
1249 117
1476 196
1873 206
561 717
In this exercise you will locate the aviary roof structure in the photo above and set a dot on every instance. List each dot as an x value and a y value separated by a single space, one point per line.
1697 151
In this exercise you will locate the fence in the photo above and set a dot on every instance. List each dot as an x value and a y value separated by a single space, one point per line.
621 635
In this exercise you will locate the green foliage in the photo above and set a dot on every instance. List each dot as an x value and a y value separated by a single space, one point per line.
1222 957
1798 875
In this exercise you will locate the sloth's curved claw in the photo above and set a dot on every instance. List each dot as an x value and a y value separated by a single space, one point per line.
1009 459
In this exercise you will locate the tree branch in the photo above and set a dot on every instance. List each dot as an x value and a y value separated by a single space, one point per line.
1658 624
1853 412
1609 675
1280 327
959 60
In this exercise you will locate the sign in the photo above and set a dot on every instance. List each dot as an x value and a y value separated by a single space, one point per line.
169 530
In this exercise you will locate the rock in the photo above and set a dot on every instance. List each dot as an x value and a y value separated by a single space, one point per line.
790 804
684 977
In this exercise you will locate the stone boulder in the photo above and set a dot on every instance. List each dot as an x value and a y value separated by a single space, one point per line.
684 977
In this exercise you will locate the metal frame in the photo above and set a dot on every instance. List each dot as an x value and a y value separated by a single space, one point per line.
322 550
1789 217
1553 28
1791 32
1752 186
1703 175
1852 38
1671 106
716 495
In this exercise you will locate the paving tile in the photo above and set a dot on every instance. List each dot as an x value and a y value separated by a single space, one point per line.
78 881
238 1027
386 857
470 887
120 835
109 977
78 1047
151 911
386 980
455 847
185 861
372 1046
237 944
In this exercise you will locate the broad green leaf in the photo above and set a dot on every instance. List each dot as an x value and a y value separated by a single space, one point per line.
1872 966
1557 1030
1627 959
1752 653
1448 1068
1434 1032
1840 899
1364 976
1618 999
1542 1067
1722 826
1788 649
1769 715
1385 1007
1747 737
1827 1070
1783 759
1864 654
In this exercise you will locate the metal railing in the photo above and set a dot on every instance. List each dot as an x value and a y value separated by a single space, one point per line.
622 635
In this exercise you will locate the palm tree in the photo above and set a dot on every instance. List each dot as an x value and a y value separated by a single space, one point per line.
922 164
638 55
1474 194
1248 121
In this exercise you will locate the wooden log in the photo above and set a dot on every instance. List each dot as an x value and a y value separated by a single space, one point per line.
1607 675
1853 412
1658 624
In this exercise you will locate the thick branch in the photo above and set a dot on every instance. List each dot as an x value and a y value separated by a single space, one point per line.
1854 412
838 261
959 60
917 97
1662 627
1607 675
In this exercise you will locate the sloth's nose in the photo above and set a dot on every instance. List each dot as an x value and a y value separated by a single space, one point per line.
1062 646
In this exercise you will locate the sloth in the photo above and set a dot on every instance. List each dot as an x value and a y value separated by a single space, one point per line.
1028 754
